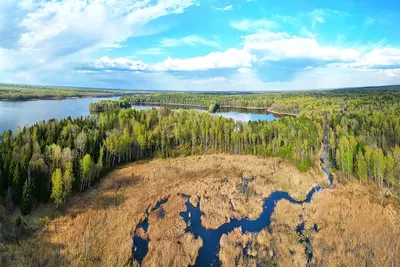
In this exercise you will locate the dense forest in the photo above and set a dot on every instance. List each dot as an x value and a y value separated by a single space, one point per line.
305 102
50 160
16 92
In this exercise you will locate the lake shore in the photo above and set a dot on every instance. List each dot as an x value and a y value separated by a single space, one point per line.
268 110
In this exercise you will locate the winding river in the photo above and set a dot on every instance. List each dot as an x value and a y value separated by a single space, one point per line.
208 253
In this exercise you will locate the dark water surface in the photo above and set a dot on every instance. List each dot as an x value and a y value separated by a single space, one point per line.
21 113
208 253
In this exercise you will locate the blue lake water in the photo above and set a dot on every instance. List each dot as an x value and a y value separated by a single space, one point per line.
21 113
243 115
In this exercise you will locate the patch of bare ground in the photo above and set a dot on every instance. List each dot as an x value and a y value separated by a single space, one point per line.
97 228
357 226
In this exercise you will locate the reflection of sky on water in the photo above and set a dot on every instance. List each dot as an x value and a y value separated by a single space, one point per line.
245 117
21 113
238 116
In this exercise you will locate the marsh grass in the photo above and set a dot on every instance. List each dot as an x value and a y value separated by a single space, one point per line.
95 227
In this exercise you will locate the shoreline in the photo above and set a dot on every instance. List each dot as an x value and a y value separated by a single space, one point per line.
268 110
56 98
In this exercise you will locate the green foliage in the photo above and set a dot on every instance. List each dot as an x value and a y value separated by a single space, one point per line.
27 92
213 107
57 193
26 201
68 179
17 221
362 126
304 166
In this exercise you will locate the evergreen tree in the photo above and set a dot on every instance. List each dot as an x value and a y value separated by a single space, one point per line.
17 185
26 201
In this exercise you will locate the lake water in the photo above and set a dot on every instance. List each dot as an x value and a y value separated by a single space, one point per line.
21 113
243 115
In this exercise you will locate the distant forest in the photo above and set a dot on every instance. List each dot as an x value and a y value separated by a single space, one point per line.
50 160
16 92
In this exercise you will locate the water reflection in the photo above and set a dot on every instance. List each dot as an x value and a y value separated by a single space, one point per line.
21 113
243 115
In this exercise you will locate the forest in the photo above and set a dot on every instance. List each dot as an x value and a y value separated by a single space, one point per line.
50 160
303 102
16 92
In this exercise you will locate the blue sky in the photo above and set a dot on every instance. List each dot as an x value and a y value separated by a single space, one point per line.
200 45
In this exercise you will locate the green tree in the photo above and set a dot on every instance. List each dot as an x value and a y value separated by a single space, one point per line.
26 201
57 192
362 167
86 169
68 179
17 184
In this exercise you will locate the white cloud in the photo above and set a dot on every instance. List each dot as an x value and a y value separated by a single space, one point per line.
150 51
232 58
380 58
191 40
254 25
227 8
257 48
282 46
119 64
69 30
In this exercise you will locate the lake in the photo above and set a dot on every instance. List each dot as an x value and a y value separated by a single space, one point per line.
21 113
243 115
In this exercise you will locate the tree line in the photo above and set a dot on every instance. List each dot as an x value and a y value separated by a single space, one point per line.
50 160
367 145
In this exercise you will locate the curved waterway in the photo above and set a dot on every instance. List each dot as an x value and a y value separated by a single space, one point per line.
208 253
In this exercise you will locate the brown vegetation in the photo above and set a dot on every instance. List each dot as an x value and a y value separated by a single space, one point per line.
357 226
278 246
97 228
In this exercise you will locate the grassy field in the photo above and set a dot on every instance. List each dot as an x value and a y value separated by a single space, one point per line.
357 226
31 92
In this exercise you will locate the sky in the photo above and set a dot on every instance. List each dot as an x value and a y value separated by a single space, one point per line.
196 45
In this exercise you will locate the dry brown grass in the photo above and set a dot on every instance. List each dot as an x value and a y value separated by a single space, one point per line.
357 226
97 228
168 240
277 247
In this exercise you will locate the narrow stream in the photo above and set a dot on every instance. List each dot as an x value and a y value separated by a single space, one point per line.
208 253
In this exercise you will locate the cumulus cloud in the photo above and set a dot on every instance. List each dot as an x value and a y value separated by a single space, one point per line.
232 58
43 31
296 52
380 58
282 46
191 40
